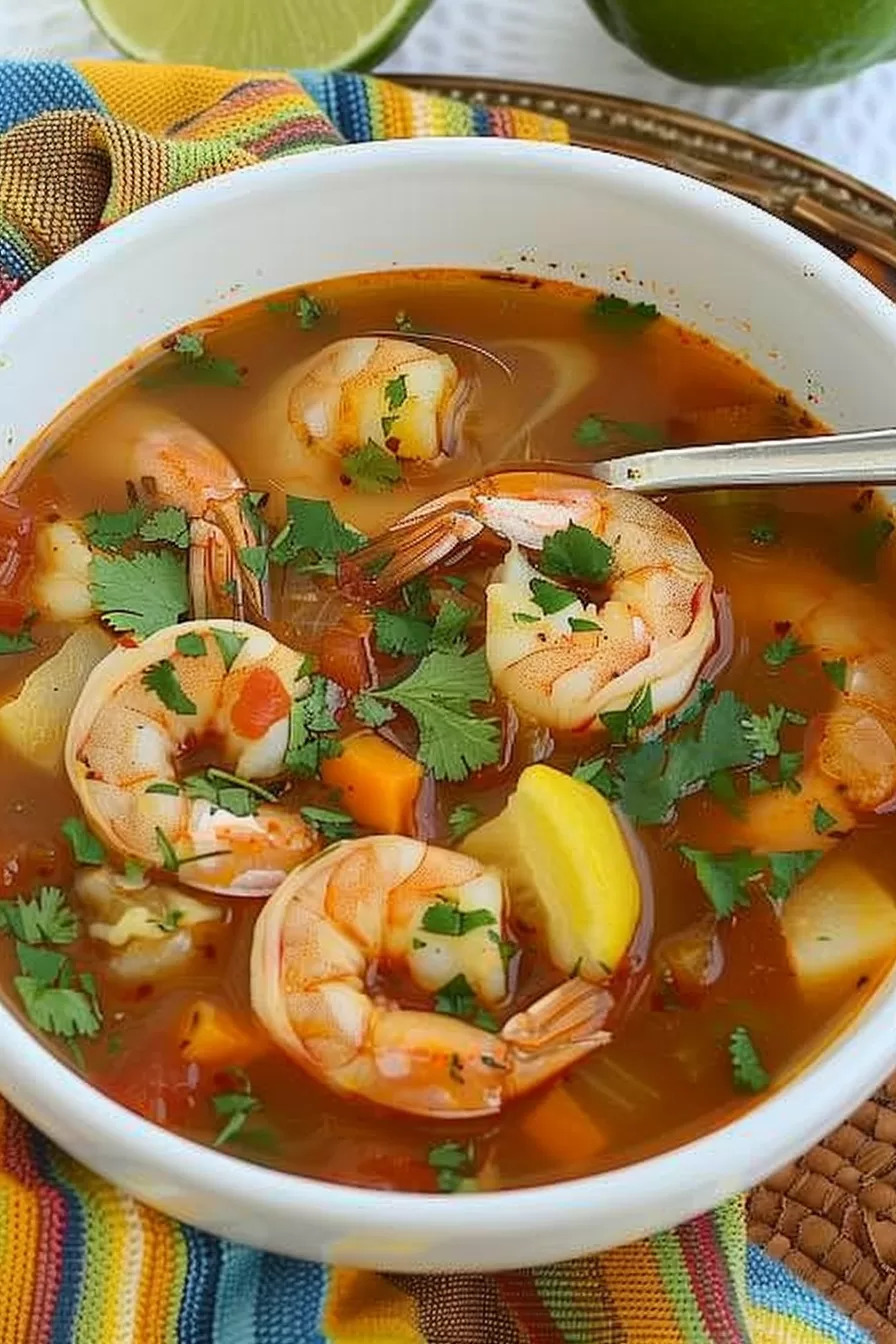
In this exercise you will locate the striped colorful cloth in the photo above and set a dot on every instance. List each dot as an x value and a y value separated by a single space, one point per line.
82 1263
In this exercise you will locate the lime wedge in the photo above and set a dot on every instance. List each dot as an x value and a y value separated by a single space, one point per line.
258 34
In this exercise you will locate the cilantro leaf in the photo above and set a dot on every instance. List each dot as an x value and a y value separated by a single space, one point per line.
576 553
724 877
438 694
192 364
623 724
448 633
599 774
620 315
372 468
763 730
84 844
313 538
370 711
169 525
457 999
645 793
255 559
65 1012
590 432
746 1066
21 642
763 534
835 671
580 627
396 392
550 597
463 819
447 919
332 823
787 868
234 1108
140 595
308 311
190 645
310 719
454 1165
229 646
398 632
822 820
46 918
109 531
692 711
780 651
161 678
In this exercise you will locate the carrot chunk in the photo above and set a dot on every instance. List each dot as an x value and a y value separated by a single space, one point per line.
562 1128
377 783
209 1034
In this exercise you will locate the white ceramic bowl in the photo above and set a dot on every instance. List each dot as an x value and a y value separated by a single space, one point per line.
732 271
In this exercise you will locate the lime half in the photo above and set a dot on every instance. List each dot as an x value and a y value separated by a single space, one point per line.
258 34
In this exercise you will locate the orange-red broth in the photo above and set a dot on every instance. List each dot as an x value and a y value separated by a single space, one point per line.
666 1076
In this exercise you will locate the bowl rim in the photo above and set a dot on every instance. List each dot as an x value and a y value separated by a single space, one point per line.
734 1150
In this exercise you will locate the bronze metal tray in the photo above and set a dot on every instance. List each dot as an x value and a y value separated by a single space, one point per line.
831 1216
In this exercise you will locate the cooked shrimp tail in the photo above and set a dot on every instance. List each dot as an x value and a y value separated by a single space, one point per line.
554 1033
409 548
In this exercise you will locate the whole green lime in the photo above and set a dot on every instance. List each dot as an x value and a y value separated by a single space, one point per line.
764 43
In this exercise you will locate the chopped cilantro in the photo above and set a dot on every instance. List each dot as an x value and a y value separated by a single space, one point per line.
590 432
449 630
399 632
456 582
576 553
624 724
190 645
224 791
21 642
764 730
620 315
193 365
463 819
308 311
692 710
161 678
763 534
45 918
454 1165
780 651
372 468
169 525
506 948
822 820
170 921
790 763
370 711
109 531
313 538
835 671
396 392
332 823
141 594
229 646
550 597
525 618
234 1108
55 996
580 627
311 718
438 694
787 868
84 844
598 773
170 861
725 877
457 999
446 918
746 1066
255 559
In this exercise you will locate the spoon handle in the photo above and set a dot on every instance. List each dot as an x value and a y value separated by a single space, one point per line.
866 457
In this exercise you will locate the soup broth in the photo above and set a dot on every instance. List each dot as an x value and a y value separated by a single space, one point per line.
752 809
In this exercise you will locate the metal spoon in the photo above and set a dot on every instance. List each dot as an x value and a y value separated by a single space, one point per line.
866 457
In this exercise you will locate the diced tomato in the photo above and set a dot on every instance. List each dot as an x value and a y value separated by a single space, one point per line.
262 701
16 547
345 655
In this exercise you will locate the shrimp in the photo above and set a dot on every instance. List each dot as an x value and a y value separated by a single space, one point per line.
364 903
376 389
170 464
565 668
230 684
850 749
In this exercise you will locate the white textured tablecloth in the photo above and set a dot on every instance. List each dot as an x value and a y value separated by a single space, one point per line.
852 125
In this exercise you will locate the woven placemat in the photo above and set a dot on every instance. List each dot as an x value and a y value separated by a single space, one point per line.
831 1216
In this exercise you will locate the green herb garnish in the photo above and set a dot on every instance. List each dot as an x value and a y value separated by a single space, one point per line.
780 651
139 595
446 918
234 1108
454 1165
835 671
576 553
550 597
624 724
463 819
620 315
372 468
313 538
161 678
332 823
746 1066
84 844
